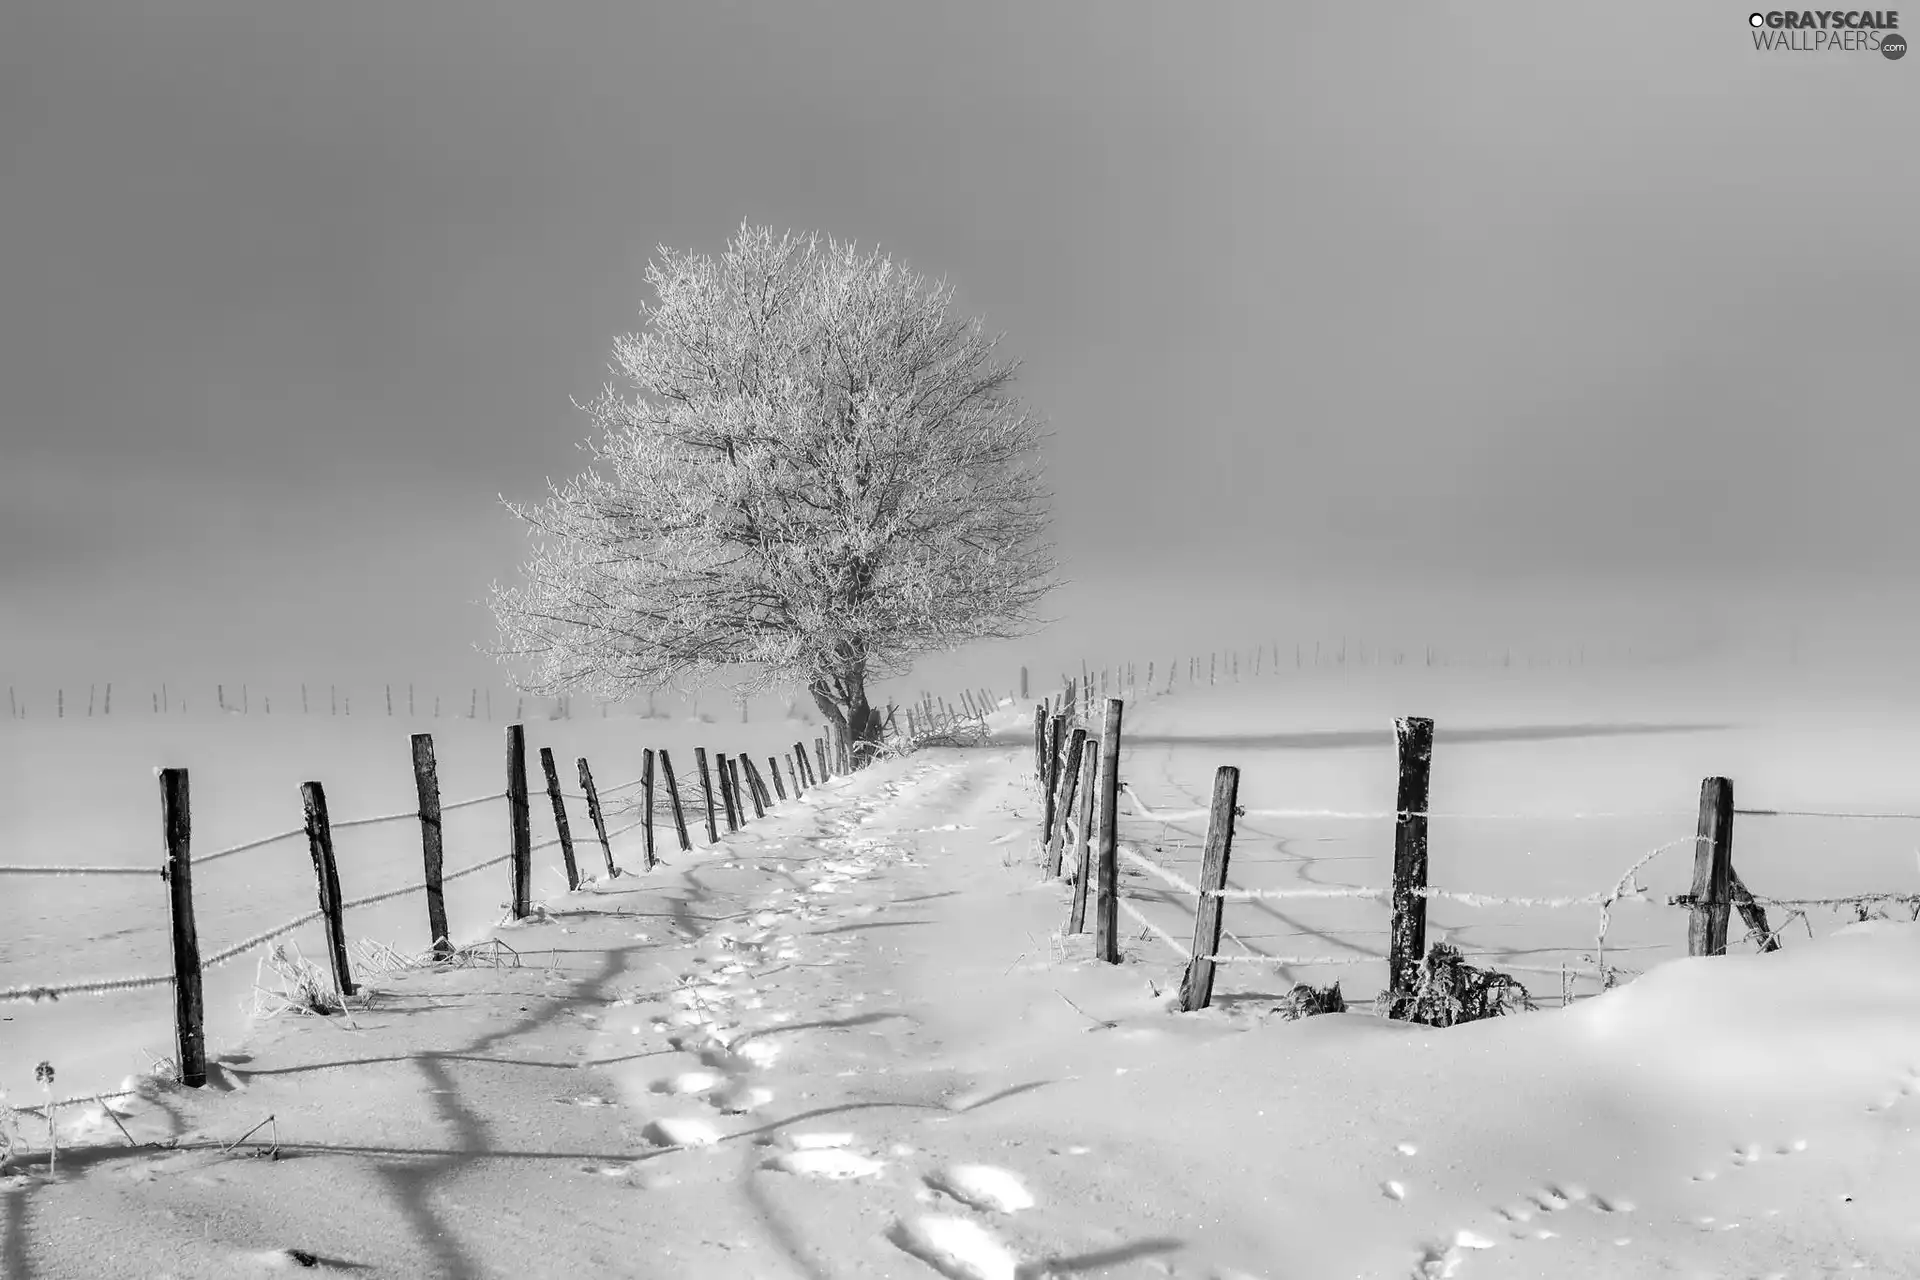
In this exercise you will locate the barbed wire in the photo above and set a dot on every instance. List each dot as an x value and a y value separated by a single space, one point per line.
262 842
41 1108
1828 813
230 850
99 987
1147 812
1186 953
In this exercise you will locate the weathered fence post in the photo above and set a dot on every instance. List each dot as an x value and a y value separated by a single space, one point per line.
673 798
599 818
744 791
728 802
646 806
426 785
804 779
320 844
1196 988
773 770
820 751
1106 912
755 788
1023 684
1040 743
706 790
1408 946
519 822
1082 844
560 823
1712 870
737 777
1751 912
189 1005
1050 778
843 752
1069 782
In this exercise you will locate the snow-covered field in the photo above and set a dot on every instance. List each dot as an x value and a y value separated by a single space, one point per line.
82 792
847 1042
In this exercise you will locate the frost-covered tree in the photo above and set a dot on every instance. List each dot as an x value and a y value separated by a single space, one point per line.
819 474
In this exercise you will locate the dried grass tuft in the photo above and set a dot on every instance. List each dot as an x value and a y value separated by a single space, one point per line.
1306 1001
1449 991
287 982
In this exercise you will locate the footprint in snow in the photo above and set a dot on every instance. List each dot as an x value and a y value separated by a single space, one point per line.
982 1187
685 1131
825 1162
957 1248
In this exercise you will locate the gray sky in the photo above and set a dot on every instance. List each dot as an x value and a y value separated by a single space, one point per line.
1520 300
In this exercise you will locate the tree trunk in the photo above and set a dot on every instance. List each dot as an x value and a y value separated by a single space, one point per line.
843 701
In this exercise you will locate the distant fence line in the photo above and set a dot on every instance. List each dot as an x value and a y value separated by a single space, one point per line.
1221 665
1077 777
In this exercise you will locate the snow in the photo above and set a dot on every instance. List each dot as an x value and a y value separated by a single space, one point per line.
866 1050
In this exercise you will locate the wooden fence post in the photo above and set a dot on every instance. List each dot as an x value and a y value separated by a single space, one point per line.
779 787
1752 913
743 792
755 789
1050 778
1712 870
1068 783
646 806
1196 988
735 781
673 798
426 785
1040 743
189 1005
820 751
320 844
1106 912
803 779
706 790
1023 684
599 818
1082 844
727 796
560 823
519 822
843 753
1408 946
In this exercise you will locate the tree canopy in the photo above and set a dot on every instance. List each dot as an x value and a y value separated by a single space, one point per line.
815 475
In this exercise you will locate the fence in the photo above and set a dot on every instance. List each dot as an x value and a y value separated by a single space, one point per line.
1221 666
727 785
406 701
1068 773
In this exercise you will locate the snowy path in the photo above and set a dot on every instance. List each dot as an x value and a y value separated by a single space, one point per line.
845 1043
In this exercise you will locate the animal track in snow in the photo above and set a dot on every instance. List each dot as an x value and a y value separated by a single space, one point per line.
1750 1154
